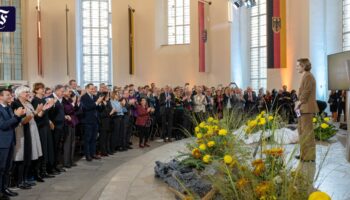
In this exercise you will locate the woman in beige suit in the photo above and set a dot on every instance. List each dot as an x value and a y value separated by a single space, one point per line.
307 107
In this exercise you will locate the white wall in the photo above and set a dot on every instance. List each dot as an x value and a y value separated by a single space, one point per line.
53 41
175 64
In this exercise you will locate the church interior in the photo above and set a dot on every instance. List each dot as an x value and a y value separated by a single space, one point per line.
174 99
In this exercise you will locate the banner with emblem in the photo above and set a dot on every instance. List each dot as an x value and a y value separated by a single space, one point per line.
276 34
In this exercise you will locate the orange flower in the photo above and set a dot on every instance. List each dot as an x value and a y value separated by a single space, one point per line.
196 153
262 189
259 167
241 183
274 152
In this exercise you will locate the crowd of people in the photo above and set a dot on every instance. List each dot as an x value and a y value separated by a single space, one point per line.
41 127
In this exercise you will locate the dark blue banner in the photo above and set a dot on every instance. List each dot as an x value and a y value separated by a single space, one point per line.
7 18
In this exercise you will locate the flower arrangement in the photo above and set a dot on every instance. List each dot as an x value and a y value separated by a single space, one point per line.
323 129
239 175
263 121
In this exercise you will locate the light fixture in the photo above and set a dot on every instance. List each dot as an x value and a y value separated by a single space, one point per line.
245 3
250 3
239 3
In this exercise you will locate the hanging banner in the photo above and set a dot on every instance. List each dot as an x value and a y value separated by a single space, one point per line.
131 42
39 40
276 34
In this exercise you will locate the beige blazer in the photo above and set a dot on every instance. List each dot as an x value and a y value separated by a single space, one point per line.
307 94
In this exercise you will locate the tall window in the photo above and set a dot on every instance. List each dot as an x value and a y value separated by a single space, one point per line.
96 42
258 48
11 46
178 22
346 25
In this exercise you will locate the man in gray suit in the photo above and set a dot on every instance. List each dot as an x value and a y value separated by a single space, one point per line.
8 122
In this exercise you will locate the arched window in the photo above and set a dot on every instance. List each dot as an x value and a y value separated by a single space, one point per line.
346 25
95 42
178 22
258 46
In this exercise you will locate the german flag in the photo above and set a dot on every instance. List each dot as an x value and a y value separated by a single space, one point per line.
276 33
131 41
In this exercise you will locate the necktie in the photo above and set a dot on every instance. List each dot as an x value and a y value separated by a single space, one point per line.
8 110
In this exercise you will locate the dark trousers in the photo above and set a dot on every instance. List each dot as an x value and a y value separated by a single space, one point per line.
104 141
6 157
117 135
178 123
188 122
144 133
341 108
47 159
167 122
69 146
90 136
128 122
58 134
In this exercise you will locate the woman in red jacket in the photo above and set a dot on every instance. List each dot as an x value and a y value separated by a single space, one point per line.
143 122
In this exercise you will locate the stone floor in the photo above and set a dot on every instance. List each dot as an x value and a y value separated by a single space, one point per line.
130 175
86 181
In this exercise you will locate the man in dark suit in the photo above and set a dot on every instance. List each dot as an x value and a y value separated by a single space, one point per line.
167 103
57 117
250 101
8 123
90 105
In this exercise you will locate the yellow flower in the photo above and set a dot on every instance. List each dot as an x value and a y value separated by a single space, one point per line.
262 113
196 153
199 135
318 195
206 158
215 121
314 120
215 128
210 119
324 125
202 147
270 118
211 144
223 132
228 159
252 123
202 125
326 119
196 129
262 121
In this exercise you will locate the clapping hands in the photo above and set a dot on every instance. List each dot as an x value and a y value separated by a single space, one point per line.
20 111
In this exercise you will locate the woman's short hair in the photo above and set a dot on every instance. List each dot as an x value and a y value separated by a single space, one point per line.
37 86
21 89
305 62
